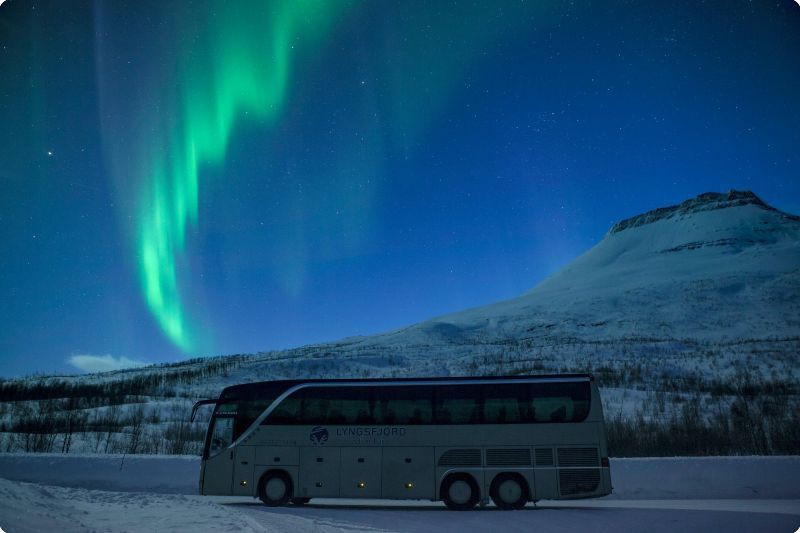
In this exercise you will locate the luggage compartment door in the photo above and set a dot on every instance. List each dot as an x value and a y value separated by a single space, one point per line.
361 473
319 472
408 473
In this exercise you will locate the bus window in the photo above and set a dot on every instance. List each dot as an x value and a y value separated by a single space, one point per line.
560 402
553 409
354 404
335 406
247 404
285 413
221 434
457 404
404 405
501 410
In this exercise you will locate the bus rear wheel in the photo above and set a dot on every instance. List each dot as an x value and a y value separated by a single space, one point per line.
460 492
275 488
509 491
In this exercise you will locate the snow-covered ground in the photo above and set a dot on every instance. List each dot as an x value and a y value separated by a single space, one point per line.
33 507
158 493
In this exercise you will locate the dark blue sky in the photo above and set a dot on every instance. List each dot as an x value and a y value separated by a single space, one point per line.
415 160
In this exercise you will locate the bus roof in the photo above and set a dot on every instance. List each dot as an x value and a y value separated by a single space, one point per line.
245 390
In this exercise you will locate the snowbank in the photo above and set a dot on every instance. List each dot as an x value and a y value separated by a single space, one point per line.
641 478
163 474
30 507
706 478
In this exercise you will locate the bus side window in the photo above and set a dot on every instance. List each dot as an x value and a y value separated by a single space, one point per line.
456 404
508 406
398 405
559 414
387 415
581 409
286 413
315 408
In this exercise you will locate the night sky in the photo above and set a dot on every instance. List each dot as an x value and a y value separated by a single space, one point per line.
182 179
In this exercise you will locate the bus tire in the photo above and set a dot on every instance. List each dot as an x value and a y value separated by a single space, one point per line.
275 488
300 501
460 492
509 491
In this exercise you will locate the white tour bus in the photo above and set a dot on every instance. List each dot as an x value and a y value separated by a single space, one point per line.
459 440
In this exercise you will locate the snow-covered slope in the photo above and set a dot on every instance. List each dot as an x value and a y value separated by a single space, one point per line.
718 267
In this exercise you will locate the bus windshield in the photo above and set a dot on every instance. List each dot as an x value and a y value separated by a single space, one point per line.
221 434
235 413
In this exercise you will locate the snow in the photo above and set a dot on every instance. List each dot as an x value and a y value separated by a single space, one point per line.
576 516
158 493
706 478
32 507
126 473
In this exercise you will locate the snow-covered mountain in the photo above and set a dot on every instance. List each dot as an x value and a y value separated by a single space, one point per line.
681 290
718 267
708 289
688 312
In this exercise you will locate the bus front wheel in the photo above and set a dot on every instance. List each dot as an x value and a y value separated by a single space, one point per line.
509 491
275 488
460 492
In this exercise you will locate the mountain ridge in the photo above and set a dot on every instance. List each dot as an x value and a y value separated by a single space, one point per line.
703 202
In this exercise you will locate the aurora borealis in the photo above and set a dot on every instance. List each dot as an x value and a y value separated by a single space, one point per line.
237 63
200 178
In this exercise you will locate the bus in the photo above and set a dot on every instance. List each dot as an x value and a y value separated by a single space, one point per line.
463 441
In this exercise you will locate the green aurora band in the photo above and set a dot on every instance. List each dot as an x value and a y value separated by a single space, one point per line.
168 117
239 65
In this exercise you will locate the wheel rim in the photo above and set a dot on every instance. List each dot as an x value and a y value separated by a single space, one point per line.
509 491
275 489
460 492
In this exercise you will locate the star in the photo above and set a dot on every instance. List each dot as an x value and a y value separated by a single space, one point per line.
49 153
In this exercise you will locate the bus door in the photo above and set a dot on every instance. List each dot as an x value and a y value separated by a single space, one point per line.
218 466
245 458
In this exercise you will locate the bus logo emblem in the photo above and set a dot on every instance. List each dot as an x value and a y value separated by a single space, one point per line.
318 436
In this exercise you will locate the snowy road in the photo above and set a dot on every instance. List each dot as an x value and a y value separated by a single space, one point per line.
29 507
60 493
597 516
